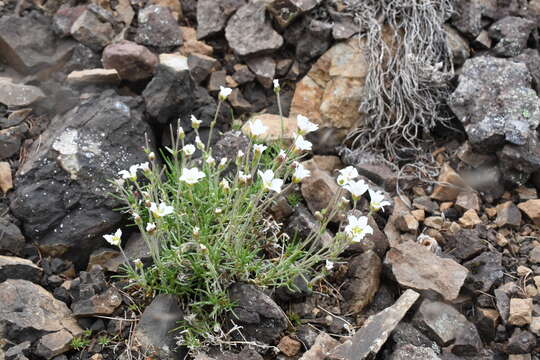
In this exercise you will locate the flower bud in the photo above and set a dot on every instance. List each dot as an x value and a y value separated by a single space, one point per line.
152 156
181 133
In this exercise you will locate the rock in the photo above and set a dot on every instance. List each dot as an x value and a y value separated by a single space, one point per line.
464 244
495 103
107 258
322 347
264 68
301 223
406 334
248 32
242 74
90 30
239 102
512 34
29 312
486 322
191 45
18 95
470 219
289 346
82 58
487 181
416 267
17 268
435 222
11 139
11 239
535 325
531 208
458 46
508 215
521 342
372 166
132 61
482 41
468 18
362 282
27 44
217 80
520 312
158 28
485 271
213 15
369 339
318 190
200 66
534 255
517 163
62 192
314 40
450 185
407 223
92 296
93 77
260 317
6 183
64 18
446 325
468 201
169 95
154 331
174 5
174 62
408 352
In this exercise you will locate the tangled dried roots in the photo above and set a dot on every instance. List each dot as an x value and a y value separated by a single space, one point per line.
409 67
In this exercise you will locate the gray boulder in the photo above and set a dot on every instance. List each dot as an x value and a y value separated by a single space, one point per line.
212 15
158 28
62 194
11 238
512 33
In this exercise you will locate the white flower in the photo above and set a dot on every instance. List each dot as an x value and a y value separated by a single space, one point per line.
210 160
300 173
150 227
329 265
152 156
119 182
114 239
138 263
269 182
377 200
356 188
223 162
259 148
347 174
131 174
181 133
301 144
191 176
218 211
161 210
282 155
257 128
195 123
276 84
196 231
224 92
144 166
188 150
136 217
225 185
304 125
358 228
244 178
199 143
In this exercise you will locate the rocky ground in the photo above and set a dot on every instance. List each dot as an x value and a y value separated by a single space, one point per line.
451 272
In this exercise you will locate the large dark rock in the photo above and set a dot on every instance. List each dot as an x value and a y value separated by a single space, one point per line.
11 239
18 268
94 28
62 193
259 316
512 33
212 15
485 271
464 244
411 352
92 295
362 282
158 28
495 102
249 32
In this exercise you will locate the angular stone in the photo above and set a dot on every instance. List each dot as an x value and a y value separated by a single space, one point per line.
369 339
29 311
468 201
446 325
521 342
239 102
362 282
91 31
486 322
62 194
322 347
18 268
495 103
248 32
411 352
458 46
485 271
132 61
470 219
468 17
65 17
519 162
174 5
11 238
169 94
534 255
11 139
54 344
242 74
191 45
99 304
158 28
174 62
102 257
464 244
416 267
94 77
212 15
19 95
319 189
200 66
508 215
372 166
289 346
154 331
6 182
520 312
264 69
512 34
407 223
260 317
450 185
531 208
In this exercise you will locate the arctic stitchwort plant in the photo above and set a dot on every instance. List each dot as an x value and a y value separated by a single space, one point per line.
207 226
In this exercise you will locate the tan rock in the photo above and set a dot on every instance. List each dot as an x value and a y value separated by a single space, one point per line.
273 122
535 325
174 61
328 163
531 208
51 345
468 200
94 76
446 205
531 290
435 222
523 270
419 214
525 193
192 45
519 357
289 346
407 223
508 215
470 219
520 312
450 185
537 281
6 182
491 212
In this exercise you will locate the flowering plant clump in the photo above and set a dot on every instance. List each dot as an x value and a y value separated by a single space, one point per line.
207 228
